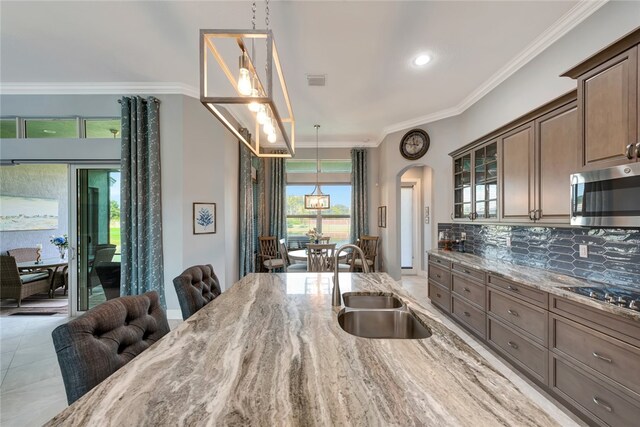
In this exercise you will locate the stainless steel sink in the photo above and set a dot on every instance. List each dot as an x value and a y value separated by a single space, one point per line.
371 301
395 324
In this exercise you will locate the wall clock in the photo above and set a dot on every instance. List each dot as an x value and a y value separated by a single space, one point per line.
414 144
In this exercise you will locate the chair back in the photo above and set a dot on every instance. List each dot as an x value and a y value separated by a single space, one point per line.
369 245
284 254
103 254
196 287
105 338
268 247
9 275
324 239
24 254
320 256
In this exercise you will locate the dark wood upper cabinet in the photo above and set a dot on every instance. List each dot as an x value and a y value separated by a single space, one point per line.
609 105
555 150
516 172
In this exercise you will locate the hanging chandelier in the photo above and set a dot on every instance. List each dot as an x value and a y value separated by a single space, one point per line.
252 99
317 199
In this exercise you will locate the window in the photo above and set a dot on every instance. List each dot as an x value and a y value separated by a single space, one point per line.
334 222
326 166
8 128
51 128
102 128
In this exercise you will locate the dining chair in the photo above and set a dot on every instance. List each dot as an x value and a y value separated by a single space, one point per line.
104 339
23 254
290 267
324 239
369 246
196 287
16 286
320 256
270 255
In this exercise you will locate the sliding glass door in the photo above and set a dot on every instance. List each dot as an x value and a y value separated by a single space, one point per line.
94 264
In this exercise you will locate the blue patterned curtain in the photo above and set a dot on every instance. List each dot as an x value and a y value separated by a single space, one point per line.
142 268
278 199
247 217
359 194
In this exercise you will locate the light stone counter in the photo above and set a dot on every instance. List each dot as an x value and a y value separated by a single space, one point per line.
545 280
269 351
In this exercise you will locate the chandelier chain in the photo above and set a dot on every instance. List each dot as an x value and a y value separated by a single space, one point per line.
253 18
266 18
317 159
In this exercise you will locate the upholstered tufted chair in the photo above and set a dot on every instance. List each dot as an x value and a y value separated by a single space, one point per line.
196 287
105 338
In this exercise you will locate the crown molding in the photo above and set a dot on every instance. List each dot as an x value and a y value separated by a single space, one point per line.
562 26
339 144
99 88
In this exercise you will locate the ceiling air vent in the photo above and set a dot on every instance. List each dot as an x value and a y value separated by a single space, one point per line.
316 79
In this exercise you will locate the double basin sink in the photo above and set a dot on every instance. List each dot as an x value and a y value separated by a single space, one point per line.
380 316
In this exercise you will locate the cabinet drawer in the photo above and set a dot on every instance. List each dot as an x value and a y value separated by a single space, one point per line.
470 316
532 357
469 289
527 317
440 261
440 297
533 296
610 357
601 403
476 274
439 275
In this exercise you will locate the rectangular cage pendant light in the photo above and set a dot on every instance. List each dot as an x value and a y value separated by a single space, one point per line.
250 102
317 200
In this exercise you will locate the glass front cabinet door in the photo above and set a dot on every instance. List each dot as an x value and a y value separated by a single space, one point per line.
476 184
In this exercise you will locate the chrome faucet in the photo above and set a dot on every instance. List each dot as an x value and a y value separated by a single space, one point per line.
336 298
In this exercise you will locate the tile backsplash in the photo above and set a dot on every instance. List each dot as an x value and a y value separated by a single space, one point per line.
613 254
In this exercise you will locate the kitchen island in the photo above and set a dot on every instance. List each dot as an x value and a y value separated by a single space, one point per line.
270 351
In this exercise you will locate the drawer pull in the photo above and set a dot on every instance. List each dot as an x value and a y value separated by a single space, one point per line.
597 356
513 345
511 288
438 295
513 312
438 276
467 290
466 271
602 404
466 313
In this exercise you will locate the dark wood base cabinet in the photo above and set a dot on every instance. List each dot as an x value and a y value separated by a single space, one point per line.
587 358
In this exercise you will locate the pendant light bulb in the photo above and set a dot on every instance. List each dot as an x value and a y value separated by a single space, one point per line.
244 78
268 126
262 114
254 107
271 138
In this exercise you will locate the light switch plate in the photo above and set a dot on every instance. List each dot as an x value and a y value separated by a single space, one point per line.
508 241
584 251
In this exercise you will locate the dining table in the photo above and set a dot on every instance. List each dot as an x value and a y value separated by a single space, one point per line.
44 263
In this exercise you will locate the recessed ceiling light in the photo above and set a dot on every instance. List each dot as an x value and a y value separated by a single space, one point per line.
421 60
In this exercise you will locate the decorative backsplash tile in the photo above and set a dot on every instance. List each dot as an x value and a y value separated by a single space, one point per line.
613 254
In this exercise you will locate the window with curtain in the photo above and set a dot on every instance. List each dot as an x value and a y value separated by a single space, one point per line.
334 222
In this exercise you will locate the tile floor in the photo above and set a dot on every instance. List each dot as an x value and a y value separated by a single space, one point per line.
32 391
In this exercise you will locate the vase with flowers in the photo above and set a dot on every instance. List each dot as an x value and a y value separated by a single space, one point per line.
62 243
314 235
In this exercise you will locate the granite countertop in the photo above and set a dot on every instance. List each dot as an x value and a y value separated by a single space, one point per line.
545 280
269 351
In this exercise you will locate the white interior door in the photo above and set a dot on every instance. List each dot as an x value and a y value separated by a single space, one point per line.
408 234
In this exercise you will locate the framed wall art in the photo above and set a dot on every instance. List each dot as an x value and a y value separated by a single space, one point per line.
382 216
204 218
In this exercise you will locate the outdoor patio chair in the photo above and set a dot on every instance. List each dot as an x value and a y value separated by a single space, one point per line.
16 286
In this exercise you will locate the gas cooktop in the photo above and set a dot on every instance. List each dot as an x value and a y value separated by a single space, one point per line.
621 297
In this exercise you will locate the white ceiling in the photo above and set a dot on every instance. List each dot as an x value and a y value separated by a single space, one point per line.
365 48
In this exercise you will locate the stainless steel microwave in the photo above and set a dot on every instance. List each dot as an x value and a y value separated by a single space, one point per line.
607 197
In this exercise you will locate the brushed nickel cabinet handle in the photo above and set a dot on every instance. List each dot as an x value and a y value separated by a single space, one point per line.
513 345
438 276
638 150
513 312
630 151
438 295
597 356
602 404
531 217
537 215
467 290
466 271
466 313
511 288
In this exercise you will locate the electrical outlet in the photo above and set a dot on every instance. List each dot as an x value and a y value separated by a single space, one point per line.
508 241
584 251
463 236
